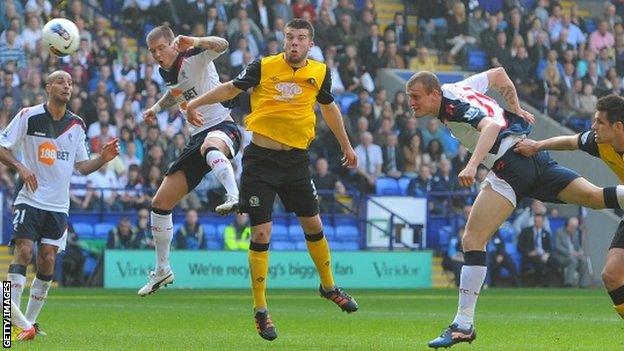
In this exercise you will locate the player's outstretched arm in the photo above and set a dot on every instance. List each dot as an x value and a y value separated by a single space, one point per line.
166 101
28 177
500 81
217 44
109 152
333 118
529 147
223 92
489 131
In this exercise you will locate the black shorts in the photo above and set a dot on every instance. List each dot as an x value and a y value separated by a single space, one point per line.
35 224
539 176
269 172
618 238
191 161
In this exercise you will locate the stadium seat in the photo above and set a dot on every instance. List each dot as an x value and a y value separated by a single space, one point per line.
279 233
347 233
477 60
345 220
281 220
295 232
283 246
84 230
350 246
403 183
336 245
210 231
176 227
345 100
101 230
301 246
221 230
590 25
387 186
214 244
329 231
507 232
444 235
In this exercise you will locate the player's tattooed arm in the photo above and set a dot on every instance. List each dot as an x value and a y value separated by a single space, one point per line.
217 44
166 101
500 81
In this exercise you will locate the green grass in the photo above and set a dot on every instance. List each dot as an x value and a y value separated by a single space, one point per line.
549 319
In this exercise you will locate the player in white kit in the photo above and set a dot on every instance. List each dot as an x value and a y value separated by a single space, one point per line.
187 68
52 140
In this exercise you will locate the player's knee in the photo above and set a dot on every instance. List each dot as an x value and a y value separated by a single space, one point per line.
471 241
46 259
611 277
261 235
23 253
157 202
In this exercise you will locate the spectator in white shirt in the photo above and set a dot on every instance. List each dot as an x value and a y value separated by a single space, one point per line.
370 161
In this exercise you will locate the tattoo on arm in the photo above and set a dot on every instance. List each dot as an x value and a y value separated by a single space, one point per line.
217 44
167 101
509 94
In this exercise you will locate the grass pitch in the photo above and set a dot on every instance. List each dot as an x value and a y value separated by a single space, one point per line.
507 319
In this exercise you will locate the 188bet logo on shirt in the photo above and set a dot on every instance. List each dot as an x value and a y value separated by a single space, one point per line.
48 153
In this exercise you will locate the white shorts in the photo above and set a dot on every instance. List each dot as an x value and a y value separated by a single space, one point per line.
500 186
60 243
219 134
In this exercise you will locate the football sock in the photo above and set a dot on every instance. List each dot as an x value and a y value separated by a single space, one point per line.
222 169
472 277
258 255
162 231
38 294
617 296
17 276
318 248
18 318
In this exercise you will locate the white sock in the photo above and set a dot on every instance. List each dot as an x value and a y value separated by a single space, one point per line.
619 192
17 287
472 278
18 318
222 169
162 231
38 294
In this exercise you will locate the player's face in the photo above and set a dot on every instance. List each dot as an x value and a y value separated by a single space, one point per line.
163 52
296 45
423 103
603 130
59 90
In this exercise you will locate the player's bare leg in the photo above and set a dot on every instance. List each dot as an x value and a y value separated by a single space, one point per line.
170 192
216 152
613 278
258 255
318 248
489 211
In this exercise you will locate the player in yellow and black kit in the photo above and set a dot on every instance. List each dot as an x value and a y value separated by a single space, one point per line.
606 141
286 87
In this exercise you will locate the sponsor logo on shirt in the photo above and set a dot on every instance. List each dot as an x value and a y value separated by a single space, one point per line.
287 90
48 153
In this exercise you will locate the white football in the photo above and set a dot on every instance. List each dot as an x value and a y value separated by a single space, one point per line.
61 36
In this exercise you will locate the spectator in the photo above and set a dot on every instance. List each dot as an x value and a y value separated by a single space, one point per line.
369 166
72 259
454 258
325 181
421 185
535 247
105 200
191 234
402 35
414 156
143 229
499 258
10 50
458 32
424 62
124 236
601 37
236 235
568 253
393 159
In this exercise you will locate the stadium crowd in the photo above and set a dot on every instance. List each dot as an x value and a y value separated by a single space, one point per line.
559 60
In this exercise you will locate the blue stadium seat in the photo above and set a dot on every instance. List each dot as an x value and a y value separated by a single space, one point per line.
329 231
295 232
507 232
444 235
433 230
590 25
101 230
387 186
214 244
281 220
345 220
279 232
176 227
90 265
336 245
210 231
347 233
283 246
221 230
403 183
301 246
350 246
477 60
345 100
84 230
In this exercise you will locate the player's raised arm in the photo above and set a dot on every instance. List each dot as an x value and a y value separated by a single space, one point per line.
500 81
109 152
529 147
217 44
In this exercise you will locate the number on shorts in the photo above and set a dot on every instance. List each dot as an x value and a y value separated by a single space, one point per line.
19 217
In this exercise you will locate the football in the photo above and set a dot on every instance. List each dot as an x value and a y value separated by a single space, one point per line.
61 36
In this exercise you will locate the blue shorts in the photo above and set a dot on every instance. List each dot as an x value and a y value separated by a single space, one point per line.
538 176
